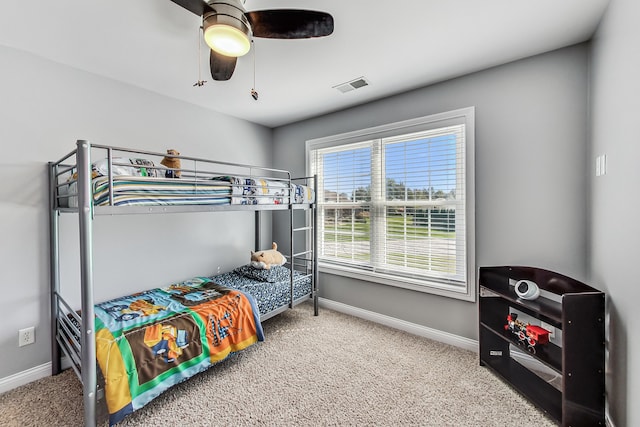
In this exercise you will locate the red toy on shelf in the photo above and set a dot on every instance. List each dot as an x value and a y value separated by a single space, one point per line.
528 335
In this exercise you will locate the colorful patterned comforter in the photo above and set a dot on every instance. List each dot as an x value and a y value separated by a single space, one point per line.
149 341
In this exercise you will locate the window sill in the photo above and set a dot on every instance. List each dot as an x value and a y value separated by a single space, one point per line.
441 289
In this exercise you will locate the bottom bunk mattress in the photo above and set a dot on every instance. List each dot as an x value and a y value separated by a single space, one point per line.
147 342
271 288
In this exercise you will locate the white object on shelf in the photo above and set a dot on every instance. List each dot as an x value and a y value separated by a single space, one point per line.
526 289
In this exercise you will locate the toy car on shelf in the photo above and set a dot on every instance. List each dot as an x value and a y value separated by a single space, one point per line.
528 335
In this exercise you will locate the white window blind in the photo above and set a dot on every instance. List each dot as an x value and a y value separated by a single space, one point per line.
394 205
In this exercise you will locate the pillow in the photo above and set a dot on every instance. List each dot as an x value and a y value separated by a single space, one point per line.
276 273
143 167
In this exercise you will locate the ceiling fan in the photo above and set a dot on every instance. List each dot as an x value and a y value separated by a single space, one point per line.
228 29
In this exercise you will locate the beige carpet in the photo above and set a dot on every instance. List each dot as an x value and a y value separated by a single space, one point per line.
331 370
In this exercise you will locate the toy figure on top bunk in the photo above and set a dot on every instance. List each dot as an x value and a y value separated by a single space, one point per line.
172 163
266 258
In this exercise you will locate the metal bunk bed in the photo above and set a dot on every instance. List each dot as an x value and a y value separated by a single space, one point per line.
72 330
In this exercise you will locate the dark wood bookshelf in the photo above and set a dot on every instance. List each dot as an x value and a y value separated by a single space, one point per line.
572 307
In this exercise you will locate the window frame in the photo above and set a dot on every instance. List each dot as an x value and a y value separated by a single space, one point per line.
464 116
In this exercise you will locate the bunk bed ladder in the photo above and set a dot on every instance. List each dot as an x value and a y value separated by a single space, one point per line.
310 261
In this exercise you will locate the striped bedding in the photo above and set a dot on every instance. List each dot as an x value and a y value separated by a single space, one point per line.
141 190
145 191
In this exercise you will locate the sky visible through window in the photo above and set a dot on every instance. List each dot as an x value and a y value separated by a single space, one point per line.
419 164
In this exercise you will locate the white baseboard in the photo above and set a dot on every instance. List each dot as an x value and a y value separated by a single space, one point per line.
403 325
30 375
25 377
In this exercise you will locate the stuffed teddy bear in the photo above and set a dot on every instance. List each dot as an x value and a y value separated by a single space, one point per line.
265 259
173 163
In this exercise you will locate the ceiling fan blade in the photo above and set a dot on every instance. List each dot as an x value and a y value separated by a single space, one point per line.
199 7
222 67
290 23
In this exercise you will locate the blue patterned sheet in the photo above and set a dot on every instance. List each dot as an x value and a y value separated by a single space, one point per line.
269 296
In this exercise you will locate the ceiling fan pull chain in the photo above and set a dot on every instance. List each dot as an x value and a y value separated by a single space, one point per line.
200 82
254 92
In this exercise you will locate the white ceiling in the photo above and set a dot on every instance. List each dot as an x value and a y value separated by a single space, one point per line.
397 46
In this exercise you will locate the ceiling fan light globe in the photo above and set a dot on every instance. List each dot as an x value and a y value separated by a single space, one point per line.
227 40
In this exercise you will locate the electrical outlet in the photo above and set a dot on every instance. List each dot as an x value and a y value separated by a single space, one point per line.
26 336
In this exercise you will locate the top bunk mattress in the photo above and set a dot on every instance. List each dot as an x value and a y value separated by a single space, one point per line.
144 186
141 191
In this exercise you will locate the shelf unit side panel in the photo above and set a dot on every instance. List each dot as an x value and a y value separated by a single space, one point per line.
584 357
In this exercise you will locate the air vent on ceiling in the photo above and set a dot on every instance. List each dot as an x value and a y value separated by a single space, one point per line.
352 85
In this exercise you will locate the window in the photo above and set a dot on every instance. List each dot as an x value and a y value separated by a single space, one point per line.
396 203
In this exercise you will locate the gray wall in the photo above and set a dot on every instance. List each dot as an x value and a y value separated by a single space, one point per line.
531 174
615 228
44 108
